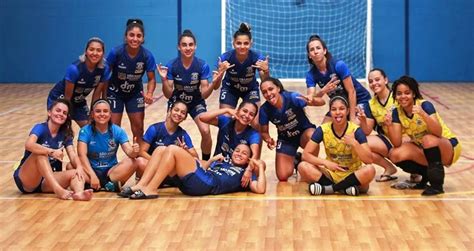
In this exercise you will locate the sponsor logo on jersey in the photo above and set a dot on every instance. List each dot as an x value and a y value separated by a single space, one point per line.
139 67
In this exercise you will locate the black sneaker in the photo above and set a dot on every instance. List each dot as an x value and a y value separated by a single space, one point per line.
420 186
316 189
429 191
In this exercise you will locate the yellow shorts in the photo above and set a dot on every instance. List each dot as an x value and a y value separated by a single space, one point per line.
456 153
337 176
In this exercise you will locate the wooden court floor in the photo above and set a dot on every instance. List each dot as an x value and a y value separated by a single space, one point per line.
285 218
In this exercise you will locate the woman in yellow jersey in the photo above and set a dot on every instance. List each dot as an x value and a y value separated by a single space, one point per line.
371 117
432 143
346 150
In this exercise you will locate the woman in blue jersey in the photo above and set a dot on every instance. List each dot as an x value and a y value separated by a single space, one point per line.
372 117
128 63
327 73
166 133
85 75
286 111
240 65
432 142
235 129
203 177
346 150
98 144
185 79
40 169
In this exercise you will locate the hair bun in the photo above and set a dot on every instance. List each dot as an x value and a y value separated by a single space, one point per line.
245 27
314 36
134 21
187 32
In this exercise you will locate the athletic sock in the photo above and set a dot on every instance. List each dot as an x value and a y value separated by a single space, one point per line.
435 170
350 180
206 156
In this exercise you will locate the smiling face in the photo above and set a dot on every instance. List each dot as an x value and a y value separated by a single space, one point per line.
377 82
134 37
58 113
246 113
94 52
316 51
404 95
241 155
178 113
270 92
339 112
187 46
242 44
101 113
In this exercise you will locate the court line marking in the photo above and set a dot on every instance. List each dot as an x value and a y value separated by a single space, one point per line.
12 110
435 99
408 197
321 198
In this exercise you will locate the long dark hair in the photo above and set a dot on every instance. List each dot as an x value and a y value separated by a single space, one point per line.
66 128
318 38
276 82
411 83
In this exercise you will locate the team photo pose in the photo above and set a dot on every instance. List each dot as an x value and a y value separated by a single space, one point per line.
88 73
240 65
202 177
40 169
346 147
432 142
328 73
166 133
185 79
286 111
98 144
234 129
128 63
371 117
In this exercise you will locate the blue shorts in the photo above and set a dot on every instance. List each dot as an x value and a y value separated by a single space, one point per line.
79 111
230 96
134 103
194 108
385 141
289 146
19 183
198 183
103 175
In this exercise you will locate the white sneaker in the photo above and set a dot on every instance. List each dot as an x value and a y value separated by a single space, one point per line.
352 190
316 189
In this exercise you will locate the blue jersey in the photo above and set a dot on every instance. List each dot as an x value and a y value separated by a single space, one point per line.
157 135
227 178
228 139
102 147
291 121
187 82
127 72
241 77
84 81
315 77
45 139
